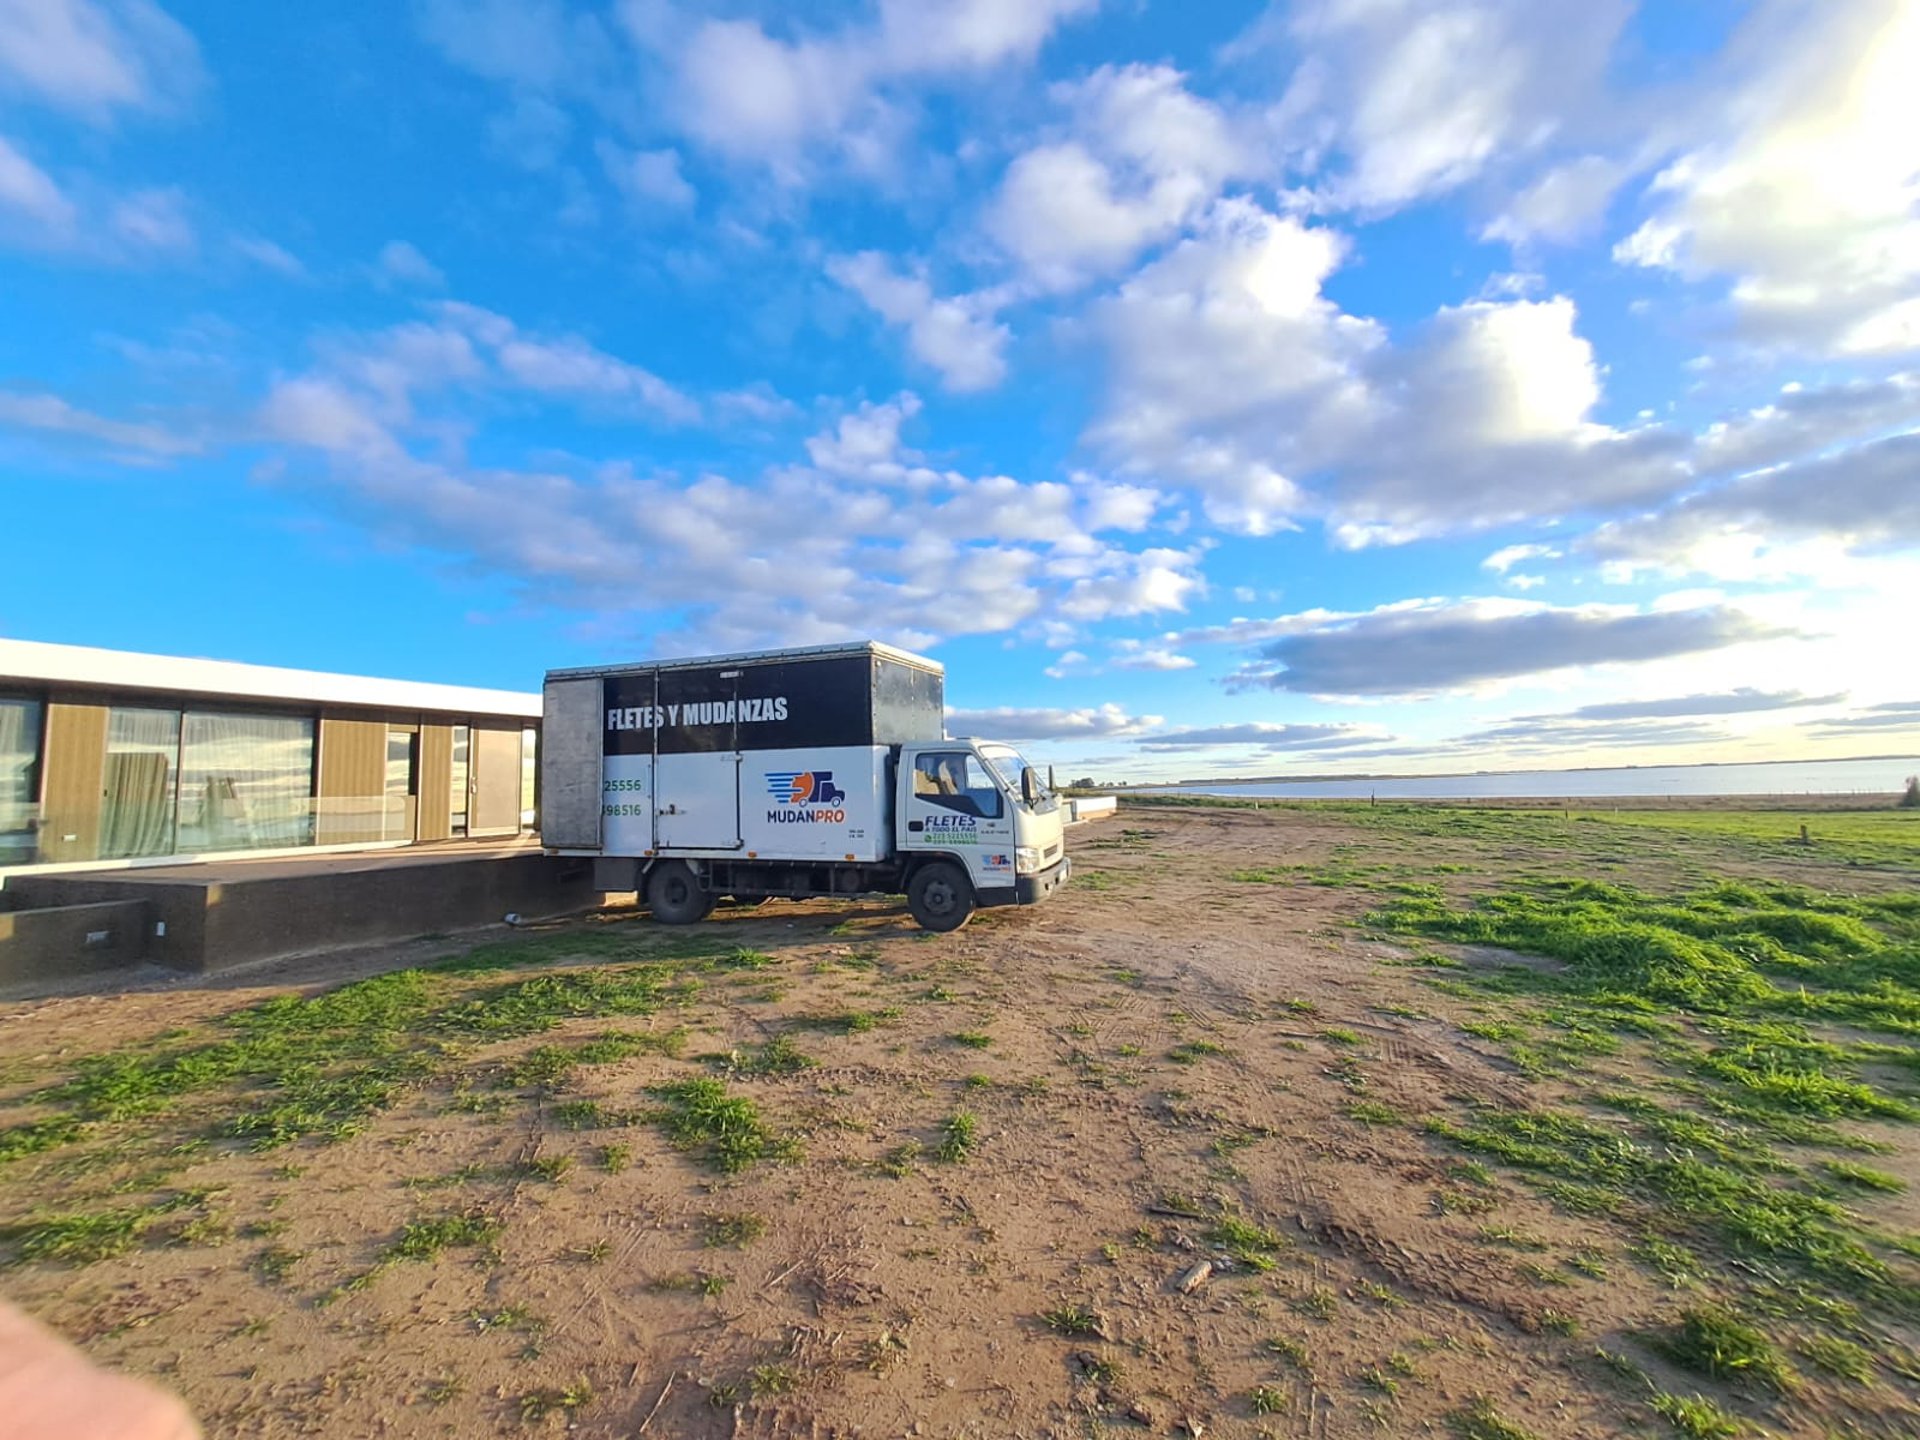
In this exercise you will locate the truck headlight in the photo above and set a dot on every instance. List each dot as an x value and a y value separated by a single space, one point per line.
1026 859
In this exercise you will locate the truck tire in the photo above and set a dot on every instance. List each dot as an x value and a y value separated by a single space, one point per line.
940 897
674 894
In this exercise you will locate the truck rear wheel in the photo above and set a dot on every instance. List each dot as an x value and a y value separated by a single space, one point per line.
940 897
674 894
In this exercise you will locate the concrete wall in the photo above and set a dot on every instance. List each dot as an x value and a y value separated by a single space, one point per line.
72 939
307 906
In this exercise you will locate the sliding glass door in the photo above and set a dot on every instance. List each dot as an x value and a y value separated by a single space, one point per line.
139 783
246 782
19 778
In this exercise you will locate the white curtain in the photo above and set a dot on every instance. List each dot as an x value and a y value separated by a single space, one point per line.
19 752
137 810
246 782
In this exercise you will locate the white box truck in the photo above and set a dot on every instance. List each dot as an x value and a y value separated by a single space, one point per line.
790 774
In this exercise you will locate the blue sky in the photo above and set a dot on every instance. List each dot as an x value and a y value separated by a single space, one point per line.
1356 385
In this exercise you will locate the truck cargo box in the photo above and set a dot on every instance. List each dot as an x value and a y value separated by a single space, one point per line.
776 754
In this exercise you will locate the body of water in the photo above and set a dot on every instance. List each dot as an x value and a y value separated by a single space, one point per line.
1774 777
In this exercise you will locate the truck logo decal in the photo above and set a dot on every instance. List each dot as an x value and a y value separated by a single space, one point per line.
806 787
805 797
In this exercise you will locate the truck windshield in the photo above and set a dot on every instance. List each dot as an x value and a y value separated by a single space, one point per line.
1009 764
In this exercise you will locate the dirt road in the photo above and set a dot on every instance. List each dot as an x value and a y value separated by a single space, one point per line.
975 1171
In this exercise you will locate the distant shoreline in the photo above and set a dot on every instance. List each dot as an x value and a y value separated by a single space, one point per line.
1330 777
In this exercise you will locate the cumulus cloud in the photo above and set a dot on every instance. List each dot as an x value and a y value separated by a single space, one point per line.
1405 99
955 335
1143 157
1508 556
1563 205
96 56
912 553
1423 647
1802 196
1231 371
769 99
1096 722
1134 655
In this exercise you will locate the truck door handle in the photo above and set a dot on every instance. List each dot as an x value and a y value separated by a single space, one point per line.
916 826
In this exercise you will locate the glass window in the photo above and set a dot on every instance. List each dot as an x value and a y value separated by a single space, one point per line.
19 778
403 785
457 791
139 782
529 772
246 782
955 780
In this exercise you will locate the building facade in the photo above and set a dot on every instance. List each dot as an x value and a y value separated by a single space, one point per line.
114 758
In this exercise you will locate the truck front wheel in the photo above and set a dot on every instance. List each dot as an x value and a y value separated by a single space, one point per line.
674 894
940 897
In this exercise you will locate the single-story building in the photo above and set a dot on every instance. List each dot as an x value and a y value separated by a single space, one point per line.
114 759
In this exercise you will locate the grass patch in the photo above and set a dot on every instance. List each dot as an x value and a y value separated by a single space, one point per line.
727 1129
957 1137
1192 1052
80 1238
1697 1417
1862 1177
1712 1340
731 1229
973 1039
1074 1320
424 1240
1480 1419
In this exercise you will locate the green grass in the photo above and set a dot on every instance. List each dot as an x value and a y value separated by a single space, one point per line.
321 1065
1073 1319
80 1238
957 1137
779 1056
1480 1419
973 1039
1714 1341
1697 1417
1269 1400
727 1129
731 1229
1192 1052
1837 1357
424 1240
1862 1177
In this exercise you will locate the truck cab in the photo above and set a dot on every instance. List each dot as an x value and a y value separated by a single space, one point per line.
977 826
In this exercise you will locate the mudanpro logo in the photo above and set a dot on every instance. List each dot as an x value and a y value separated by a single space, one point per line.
796 793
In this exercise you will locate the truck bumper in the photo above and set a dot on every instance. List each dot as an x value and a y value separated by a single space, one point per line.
1030 889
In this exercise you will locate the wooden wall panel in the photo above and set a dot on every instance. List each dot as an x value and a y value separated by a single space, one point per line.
353 781
76 756
436 782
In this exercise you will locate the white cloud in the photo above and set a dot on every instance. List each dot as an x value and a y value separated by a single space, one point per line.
1508 556
1264 736
651 179
1133 655
1144 158
1563 205
51 415
1231 372
154 221
1413 98
1804 193
1430 646
269 256
956 335
1009 723
401 263
29 192
761 98
96 56
866 442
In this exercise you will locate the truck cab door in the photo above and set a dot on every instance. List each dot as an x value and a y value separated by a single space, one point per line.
951 803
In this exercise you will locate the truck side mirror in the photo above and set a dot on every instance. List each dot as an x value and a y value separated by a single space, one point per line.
1029 787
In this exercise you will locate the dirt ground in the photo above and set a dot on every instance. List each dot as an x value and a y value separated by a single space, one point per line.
1155 1049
